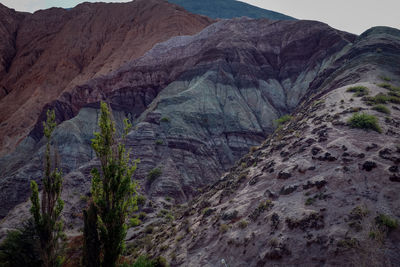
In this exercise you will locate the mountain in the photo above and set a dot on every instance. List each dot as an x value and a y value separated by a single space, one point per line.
207 98
228 9
248 122
51 51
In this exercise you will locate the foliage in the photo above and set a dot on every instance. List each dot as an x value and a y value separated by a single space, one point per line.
383 99
386 79
144 261
91 241
159 142
165 119
134 222
282 120
113 190
358 90
20 247
243 224
386 221
381 108
46 215
364 121
153 175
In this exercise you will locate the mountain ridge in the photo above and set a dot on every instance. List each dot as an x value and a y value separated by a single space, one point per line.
227 9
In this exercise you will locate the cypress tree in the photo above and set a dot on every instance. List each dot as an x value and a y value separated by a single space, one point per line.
46 214
113 189
91 242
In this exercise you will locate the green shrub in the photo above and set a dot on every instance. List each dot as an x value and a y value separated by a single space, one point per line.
153 175
134 222
386 79
383 99
165 119
159 142
224 228
381 108
145 261
282 120
243 224
20 248
385 85
358 90
386 221
310 201
364 121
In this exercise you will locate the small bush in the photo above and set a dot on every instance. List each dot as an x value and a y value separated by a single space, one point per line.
385 85
224 228
381 108
358 90
386 79
165 119
134 222
159 142
383 99
282 120
386 221
153 175
310 201
364 121
145 261
243 224
20 247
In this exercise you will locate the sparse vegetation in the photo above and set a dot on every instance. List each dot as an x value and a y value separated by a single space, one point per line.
263 206
159 142
381 108
165 119
153 175
386 79
310 201
348 243
243 224
383 99
364 121
385 221
224 228
282 120
145 261
358 91
134 222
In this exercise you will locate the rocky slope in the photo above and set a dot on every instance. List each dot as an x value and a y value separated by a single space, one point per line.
228 9
51 51
315 193
221 90
315 187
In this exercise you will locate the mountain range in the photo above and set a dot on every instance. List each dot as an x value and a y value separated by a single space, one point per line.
247 116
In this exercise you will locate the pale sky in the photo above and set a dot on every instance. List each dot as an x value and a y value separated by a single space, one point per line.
354 16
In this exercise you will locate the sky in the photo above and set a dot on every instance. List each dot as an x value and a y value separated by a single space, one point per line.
354 16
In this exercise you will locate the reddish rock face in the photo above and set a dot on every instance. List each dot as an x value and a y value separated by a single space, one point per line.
46 53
